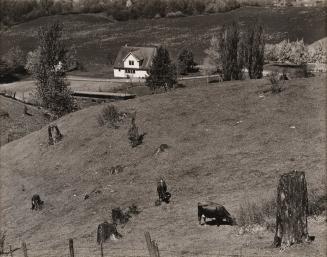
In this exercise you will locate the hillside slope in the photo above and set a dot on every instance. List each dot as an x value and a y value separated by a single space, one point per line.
17 123
226 144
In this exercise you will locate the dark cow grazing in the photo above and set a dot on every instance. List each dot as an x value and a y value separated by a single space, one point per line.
36 202
105 231
214 211
164 196
120 216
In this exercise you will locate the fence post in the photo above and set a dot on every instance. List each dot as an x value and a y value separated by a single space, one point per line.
101 249
10 250
71 247
152 245
24 249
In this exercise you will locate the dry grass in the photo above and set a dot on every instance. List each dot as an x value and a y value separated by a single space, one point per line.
224 140
257 213
15 122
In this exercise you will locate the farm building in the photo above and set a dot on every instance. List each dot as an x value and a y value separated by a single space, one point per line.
134 61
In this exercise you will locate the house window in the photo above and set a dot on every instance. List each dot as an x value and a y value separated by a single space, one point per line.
131 62
130 71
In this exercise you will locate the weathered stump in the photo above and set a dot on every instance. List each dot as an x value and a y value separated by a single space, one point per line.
54 134
292 209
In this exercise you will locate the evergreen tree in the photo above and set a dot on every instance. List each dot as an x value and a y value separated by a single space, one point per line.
254 44
185 62
231 52
162 72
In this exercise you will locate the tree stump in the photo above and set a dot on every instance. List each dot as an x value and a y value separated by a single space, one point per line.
292 209
54 134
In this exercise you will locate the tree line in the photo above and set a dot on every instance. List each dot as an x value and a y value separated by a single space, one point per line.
16 11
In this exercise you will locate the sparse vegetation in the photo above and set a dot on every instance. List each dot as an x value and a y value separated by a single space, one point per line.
317 203
2 241
162 72
109 115
276 86
135 138
252 213
263 212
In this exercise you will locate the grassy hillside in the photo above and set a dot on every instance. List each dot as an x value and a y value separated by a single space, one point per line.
14 123
98 39
226 144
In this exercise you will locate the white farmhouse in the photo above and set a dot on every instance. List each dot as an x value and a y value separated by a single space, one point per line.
134 61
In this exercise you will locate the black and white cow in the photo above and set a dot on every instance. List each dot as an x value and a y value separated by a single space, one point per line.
36 202
214 211
105 231
162 191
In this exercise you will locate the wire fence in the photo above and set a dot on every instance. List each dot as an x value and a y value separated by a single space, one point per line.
51 248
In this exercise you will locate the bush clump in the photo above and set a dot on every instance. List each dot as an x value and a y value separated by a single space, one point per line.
135 138
274 79
317 203
110 115
296 52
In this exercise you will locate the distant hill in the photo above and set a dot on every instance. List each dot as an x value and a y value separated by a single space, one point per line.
97 39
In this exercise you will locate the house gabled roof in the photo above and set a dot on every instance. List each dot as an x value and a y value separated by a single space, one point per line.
144 54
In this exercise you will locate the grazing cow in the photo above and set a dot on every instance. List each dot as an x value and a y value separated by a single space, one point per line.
36 202
216 211
162 191
120 216
105 231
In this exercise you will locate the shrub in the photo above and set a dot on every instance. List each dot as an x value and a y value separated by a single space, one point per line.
276 87
16 59
199 6
185 62
317 53
5 71
287 52
109 115
133 134
175 14
2 242
317 202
